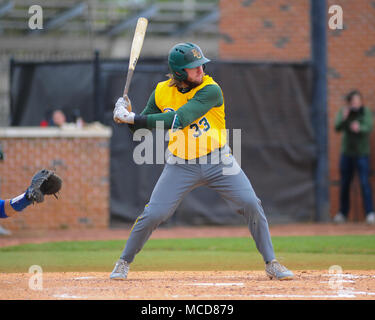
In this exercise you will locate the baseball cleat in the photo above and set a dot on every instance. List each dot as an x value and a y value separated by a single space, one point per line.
4 232
120 271
275 270
370 219
339 218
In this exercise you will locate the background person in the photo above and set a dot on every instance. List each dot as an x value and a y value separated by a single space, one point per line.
55 118
355 122
3 231
58 118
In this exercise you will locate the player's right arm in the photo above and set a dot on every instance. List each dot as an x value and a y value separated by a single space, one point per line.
6 209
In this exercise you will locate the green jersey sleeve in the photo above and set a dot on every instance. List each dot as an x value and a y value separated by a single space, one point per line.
208 97
151 108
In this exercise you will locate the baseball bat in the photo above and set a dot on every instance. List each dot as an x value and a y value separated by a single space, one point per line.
135 51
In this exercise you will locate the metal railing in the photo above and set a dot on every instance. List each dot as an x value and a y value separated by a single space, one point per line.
103 17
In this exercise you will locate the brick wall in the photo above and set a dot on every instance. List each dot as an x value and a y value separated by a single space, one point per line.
268 30
82 163
351 61
280 31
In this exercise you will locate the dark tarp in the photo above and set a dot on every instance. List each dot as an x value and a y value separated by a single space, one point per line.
270 103
39 89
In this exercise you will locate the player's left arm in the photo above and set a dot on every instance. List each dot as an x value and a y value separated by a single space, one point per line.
208 97
9 207
366 122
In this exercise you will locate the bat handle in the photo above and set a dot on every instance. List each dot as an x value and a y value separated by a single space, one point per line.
127 84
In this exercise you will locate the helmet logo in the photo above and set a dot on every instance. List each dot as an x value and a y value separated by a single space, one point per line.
196 53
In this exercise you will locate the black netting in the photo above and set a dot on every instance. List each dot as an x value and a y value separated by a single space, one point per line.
270 103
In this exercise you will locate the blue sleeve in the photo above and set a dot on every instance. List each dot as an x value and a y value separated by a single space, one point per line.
2 210
19 203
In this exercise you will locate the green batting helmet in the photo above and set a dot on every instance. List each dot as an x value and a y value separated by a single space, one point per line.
185 55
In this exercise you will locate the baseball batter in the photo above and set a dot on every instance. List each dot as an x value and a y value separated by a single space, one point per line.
191 105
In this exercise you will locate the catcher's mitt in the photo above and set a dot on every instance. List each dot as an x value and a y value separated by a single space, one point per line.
43 182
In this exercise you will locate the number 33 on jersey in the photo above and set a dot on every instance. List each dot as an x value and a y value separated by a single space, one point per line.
202 136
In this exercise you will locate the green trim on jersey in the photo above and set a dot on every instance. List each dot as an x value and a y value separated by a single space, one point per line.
208 97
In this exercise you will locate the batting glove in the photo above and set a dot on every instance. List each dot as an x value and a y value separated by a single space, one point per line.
121 113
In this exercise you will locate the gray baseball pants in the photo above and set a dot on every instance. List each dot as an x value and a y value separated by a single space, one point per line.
179 179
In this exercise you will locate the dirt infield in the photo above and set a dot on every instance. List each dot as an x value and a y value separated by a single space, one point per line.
189 285
221 285
21 237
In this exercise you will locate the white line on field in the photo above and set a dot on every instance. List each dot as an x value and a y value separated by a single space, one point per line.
349 281
344 294
216 284
342 275
67 296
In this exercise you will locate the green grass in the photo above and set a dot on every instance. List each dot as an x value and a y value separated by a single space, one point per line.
312 252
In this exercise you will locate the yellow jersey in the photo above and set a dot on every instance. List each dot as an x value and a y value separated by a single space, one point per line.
202 136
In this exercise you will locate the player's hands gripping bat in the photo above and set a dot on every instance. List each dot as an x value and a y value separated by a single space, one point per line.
121 112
